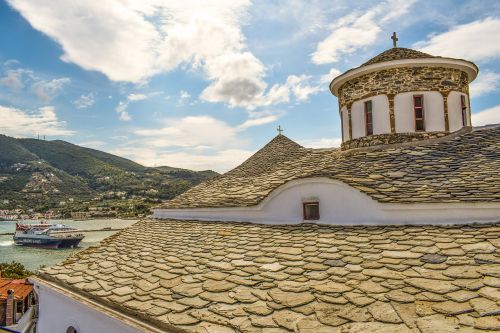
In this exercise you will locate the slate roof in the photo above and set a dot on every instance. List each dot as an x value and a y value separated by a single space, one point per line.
460 169
215 277
397 53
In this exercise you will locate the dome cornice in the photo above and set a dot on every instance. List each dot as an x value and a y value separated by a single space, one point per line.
466 66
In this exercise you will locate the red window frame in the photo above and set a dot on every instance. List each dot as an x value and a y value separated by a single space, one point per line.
418 110
464 110
315 215
369 118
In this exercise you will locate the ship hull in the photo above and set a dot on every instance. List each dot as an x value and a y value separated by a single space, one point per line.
50 243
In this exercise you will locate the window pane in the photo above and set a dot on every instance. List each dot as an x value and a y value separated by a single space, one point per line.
368 106
419 125
311 211
369 129
419 113
418 100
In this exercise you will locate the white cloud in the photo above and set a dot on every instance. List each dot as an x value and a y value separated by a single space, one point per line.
84 101
321 143
194 142
123 41
477 41
13 78
191 132
258 121
183 96
21 123
136 97
327 78
357 30
132 41
46 90
109 36
485 83
220 161
121 109
486 117
300 87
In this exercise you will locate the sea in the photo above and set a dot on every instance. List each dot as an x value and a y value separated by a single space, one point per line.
32 258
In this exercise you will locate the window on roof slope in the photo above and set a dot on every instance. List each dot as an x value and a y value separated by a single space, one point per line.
369 117
311 210
418 108
464 110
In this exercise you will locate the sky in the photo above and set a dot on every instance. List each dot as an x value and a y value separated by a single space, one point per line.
204 84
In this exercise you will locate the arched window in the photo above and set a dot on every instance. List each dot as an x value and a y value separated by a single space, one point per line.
71 329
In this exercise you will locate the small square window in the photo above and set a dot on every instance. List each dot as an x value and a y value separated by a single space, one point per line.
311 210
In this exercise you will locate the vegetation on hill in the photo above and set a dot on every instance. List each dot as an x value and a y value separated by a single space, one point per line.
50 174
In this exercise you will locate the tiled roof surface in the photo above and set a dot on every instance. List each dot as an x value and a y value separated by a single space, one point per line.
460 169
21 288
397 53
214 277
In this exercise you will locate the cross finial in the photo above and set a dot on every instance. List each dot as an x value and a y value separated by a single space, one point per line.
394 40
279 129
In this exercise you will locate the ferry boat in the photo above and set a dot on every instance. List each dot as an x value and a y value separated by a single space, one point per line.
47 235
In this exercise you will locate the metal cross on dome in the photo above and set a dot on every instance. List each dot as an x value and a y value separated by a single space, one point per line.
279 129
394 40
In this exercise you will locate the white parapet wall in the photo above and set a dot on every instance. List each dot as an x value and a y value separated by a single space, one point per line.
61 309
339 204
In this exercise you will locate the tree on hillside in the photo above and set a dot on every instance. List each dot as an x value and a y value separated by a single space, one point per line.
14 270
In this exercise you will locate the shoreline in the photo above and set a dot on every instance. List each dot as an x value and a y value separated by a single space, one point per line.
79 220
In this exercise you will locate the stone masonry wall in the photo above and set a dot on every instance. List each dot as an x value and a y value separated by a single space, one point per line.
398 80
385 139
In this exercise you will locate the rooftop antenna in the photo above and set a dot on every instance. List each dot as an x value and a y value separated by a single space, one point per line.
279 129
394 39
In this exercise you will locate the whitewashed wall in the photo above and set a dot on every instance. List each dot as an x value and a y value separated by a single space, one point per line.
455 110
339 204
380 112
57 312
433 109
345 124
381 118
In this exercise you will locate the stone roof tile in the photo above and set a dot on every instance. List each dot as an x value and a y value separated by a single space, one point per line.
397 53
200 281
459 169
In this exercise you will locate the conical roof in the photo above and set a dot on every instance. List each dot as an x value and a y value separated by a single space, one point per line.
275 152
397 53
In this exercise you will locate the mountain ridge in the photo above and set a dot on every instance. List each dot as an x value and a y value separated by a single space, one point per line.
47 172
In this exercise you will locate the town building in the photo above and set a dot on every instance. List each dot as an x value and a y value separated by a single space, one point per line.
16 306
377 236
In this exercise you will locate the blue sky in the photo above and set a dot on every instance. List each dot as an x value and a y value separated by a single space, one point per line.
204 84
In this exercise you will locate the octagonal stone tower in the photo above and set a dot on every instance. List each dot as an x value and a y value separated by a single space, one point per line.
403 95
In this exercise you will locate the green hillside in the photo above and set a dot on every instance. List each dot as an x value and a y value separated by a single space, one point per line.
45 173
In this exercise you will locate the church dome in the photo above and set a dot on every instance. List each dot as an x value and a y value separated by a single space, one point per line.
397 53
403 95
